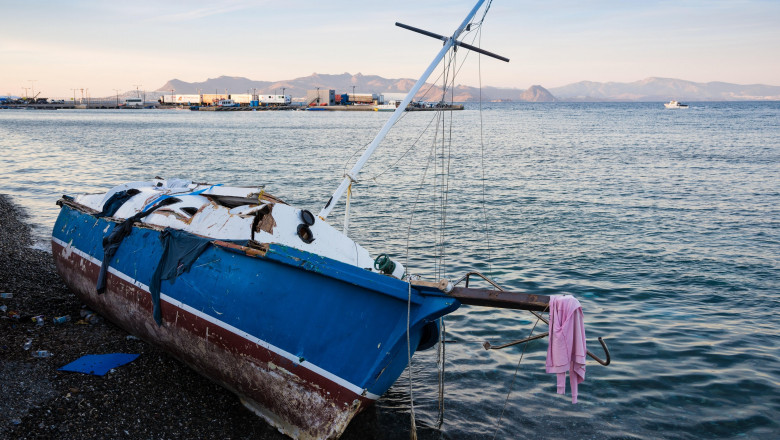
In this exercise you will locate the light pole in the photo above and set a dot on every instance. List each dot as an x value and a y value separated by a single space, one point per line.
32 86
25 91
117 97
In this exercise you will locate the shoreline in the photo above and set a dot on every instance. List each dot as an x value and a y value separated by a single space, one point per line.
155 396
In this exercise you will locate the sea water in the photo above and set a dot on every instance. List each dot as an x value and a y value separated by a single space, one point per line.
664 223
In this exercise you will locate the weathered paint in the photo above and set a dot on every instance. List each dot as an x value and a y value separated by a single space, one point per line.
229 213
305 340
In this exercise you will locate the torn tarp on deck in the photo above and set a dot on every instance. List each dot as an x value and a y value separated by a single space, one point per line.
114 239
115 202
180 250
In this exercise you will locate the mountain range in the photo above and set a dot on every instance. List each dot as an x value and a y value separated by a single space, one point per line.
649 89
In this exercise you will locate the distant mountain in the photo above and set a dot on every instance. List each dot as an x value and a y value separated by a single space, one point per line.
537 94
649 89
664 89
345 82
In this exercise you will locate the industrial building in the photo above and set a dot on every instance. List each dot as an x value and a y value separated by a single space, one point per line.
244 99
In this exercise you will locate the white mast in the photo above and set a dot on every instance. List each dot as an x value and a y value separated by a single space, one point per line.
352 175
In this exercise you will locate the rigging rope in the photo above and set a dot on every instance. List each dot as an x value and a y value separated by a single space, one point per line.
440 365
482 155
413 428
441 184
517 368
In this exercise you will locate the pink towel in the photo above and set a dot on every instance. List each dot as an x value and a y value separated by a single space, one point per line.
566 351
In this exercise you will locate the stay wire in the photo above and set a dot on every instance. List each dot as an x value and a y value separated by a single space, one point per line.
413 434
358 148
431 154
442 333
514 377
444 182
475 26
424 130
413 427
482 156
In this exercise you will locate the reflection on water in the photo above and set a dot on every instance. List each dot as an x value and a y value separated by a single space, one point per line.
666 226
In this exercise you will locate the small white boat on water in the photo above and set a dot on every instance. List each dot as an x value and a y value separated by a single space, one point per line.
675 104
228 103
388 107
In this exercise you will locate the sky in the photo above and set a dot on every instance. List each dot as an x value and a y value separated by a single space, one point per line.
53 47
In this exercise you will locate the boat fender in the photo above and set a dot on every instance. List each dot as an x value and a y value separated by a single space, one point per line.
307 217
305 233
429 336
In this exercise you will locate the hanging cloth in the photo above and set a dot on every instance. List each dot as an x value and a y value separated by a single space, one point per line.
566 350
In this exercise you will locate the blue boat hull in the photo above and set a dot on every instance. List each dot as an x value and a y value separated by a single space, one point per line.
306 342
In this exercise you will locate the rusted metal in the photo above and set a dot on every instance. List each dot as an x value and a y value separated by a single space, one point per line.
488 346
467 276
606 352
500 299
509 344
486 297
589 353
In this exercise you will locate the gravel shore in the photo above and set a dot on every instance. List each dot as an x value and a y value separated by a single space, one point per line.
153 397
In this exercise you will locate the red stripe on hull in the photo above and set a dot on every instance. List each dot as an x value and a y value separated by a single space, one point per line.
293 398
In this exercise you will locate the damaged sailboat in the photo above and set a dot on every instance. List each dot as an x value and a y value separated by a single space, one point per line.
267 299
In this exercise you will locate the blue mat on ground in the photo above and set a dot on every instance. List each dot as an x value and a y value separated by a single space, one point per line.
99 364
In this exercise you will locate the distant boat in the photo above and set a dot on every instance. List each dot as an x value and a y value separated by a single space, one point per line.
228 103
389 107
675 104
132 103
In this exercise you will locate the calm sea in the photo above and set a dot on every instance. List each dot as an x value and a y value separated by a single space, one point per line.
664 223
